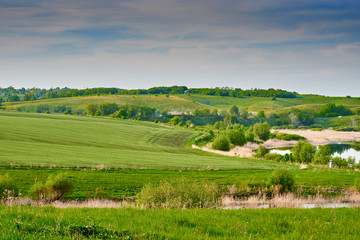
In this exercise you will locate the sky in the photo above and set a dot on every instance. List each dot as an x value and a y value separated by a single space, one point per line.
307 46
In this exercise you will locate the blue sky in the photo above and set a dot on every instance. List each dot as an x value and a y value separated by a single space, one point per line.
304 46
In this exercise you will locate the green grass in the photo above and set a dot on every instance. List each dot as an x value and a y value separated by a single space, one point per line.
73 141
160 102
192 102
123 183
44 223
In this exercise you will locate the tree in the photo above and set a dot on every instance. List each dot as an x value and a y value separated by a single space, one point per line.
262 130
175 120
108 108
221 143
234 110
236 137
322 155
303 152
91 109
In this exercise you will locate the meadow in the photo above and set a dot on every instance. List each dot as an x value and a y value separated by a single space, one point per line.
185 102
80 223
74 141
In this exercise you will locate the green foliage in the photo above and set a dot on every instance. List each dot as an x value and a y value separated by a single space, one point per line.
91 109
236 137
175 120
357 184
234 110
7 187
260 114
286 137
108 108
260 152
221 143
53 189
322 155
262 130
282 178
42 108
343 162
181 193
304 152
331 110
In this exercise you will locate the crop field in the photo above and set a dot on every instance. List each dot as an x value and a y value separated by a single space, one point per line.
44 223
185 103
73 141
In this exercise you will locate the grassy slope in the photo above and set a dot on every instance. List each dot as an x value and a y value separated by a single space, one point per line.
44 223
61 140
189 103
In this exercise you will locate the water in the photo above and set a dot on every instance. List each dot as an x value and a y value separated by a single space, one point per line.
342 150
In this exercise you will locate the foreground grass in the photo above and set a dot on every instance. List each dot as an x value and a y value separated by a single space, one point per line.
122 183
61 140
44 223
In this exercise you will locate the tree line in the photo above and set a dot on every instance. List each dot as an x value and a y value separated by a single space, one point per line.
10 94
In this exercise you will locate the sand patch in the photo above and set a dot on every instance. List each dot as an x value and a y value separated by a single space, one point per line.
324 137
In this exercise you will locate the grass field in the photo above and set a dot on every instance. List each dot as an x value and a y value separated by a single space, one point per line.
128 182
192 102
73 141
44 223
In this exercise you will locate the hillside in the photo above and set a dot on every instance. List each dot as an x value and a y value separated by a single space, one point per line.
74 141
183 103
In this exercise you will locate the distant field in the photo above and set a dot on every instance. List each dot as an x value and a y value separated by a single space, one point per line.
47 222
185 103
74 141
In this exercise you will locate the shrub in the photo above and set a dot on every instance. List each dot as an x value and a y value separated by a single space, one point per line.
357 184
282 178
303 152
53 189
181 193
221 143
7 187
262 130
322 155
342 162
236 137
286 137
260 152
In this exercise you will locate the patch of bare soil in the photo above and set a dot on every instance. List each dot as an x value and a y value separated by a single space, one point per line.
325 136
246 151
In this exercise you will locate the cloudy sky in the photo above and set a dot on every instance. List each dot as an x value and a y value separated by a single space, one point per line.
308 46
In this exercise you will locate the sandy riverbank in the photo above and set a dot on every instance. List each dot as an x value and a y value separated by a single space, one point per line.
313 137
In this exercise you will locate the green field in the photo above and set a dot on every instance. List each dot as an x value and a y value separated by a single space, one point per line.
44 223
73 141
122 183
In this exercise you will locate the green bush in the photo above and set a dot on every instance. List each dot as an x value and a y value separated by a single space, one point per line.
322 155
181 193
357 184
53 189
221 143
262 130
260 152
303 152
7 187
286 137
282 178
236 137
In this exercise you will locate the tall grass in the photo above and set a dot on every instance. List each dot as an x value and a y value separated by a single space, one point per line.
77 223
181 193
